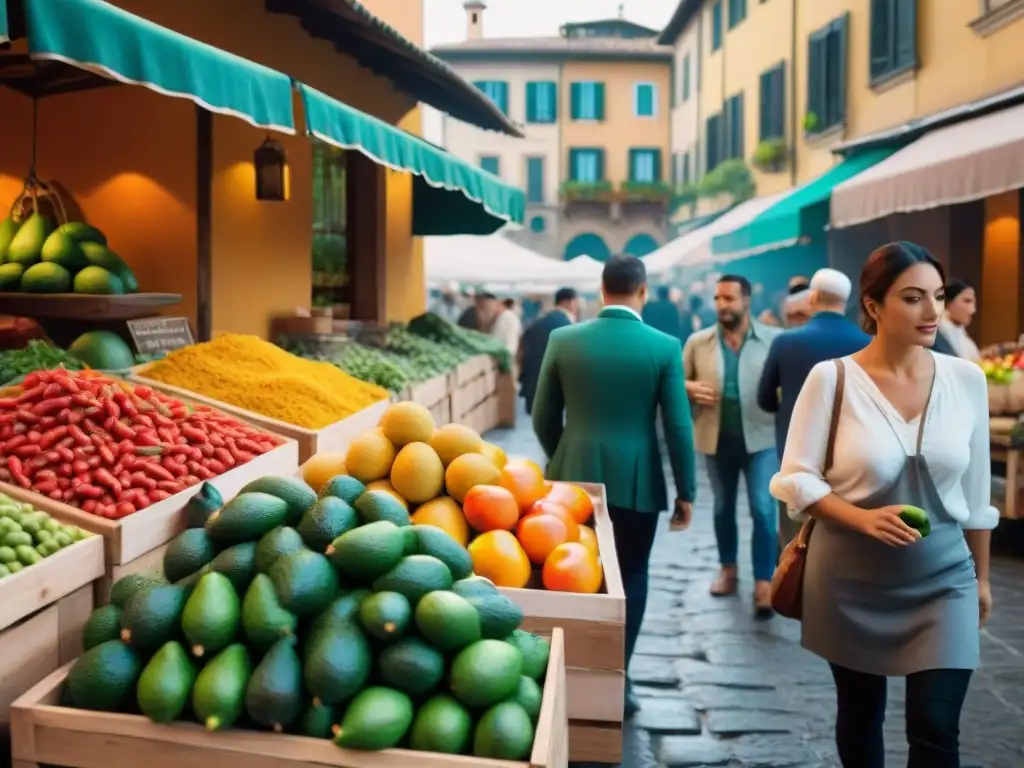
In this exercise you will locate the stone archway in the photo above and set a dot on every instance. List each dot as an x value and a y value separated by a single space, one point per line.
587 244
640 245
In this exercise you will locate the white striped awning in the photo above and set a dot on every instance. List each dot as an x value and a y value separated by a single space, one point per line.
957 164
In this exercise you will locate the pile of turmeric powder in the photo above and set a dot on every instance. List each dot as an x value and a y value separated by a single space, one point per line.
250 373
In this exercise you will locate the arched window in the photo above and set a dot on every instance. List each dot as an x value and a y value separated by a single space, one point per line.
640 245
587 244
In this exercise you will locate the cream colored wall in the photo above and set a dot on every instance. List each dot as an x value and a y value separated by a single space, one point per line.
470 143
685 128
762 40
958 65
620 130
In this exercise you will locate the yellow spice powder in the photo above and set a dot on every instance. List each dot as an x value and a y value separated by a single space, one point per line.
250 373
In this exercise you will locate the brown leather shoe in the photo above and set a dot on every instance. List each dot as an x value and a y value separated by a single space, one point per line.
763 600
725 583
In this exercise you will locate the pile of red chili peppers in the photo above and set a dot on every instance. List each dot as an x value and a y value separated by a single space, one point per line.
112 448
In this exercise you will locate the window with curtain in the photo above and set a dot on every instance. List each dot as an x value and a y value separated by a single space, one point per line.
772 123
535 179
587 101
330 226
541 102
496 91
827 76
586 165
645 165
893 37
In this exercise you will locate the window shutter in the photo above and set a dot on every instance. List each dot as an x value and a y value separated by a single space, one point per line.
716 26
598 101
686 168
672 85
553 101
905 49
779 100
738 130
574 164
599 158
838 90
535 179
634 155
501 92
656 158
576 99
816 76
686 78
711 143
881 37
531 102
765 116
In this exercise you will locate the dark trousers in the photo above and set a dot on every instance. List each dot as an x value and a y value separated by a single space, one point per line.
634 538
933 703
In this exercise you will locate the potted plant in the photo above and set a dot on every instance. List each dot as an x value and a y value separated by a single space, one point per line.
811 122
646 191
770 155
586 190
730 177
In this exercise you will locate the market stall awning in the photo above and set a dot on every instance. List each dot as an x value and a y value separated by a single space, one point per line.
694 248
493 261
5 35
802 213
101 38
963 162
450 196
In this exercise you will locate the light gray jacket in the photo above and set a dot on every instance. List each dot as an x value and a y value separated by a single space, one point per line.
702 361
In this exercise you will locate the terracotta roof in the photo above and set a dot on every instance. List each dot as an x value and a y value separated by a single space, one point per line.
600 47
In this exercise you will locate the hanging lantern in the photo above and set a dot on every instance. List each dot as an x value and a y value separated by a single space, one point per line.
271 171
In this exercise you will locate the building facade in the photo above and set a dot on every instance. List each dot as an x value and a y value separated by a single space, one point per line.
594 104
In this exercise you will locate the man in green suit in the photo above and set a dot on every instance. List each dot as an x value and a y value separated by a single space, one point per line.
608 377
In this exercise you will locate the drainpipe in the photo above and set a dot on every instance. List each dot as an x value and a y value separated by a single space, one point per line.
793 115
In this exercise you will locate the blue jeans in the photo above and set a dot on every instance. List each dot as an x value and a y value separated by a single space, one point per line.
724 469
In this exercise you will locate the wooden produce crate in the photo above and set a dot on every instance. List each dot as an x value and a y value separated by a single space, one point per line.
43 732
435 395
43 610
135 543
333 437
595 646
474 394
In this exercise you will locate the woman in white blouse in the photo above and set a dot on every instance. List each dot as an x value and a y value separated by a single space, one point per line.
880 599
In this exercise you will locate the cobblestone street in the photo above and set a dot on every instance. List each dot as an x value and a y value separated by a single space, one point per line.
721 689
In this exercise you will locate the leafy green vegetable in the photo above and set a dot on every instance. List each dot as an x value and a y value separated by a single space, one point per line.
38 355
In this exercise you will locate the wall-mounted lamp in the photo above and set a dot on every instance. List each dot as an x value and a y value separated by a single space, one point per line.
271 165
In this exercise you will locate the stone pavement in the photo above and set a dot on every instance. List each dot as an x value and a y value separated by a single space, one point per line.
721 689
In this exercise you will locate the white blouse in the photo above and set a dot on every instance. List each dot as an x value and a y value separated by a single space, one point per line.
873 441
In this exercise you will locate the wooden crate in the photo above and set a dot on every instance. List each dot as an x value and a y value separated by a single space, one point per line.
42 732
43 610
473 383
136 543
434 394
333 437
595 641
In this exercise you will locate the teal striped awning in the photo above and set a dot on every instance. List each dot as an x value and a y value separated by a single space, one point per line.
5 35
450 196
803 213
101 38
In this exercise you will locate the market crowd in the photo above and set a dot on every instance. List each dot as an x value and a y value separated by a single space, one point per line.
859 412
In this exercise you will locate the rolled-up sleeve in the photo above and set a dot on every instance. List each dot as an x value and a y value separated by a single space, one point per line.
976 482
800 482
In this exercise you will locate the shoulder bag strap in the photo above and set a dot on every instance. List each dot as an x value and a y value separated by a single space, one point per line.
837 407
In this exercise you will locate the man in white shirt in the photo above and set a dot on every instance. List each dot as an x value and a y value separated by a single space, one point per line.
501 322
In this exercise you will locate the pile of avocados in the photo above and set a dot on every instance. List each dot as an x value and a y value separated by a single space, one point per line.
329 617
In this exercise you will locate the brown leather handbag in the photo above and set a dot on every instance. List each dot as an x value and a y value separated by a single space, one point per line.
788 579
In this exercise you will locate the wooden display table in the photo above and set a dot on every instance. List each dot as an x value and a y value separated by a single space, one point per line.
1002 450
595 642
43 732
474 391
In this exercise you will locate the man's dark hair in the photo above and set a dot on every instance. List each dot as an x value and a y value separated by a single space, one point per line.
663 292
565 295
623 275
799 286
740 280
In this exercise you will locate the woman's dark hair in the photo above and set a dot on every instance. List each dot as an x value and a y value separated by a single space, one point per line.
883 268
955 287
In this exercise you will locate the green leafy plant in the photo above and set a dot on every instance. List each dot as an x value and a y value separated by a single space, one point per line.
586 190
770 155
646 191
685 194
811 122
730 177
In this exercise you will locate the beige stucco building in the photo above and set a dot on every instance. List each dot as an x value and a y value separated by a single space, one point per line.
595 105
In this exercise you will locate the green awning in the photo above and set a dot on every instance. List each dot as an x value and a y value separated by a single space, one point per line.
805 212
101 38
5 35
450 196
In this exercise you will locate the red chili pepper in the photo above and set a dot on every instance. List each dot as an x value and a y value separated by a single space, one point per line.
31 393
17 471
122 430
147 439
51 404
46 487
9 403
144 420
106 454
158 495
65 453
27 451
217 467
25 415
104 478
249 445
143 392
86 491
194 434
93 461
45 474
172 487
64 470
224 457
142 480
52 436
79 466
158 472
176 469
202 472
80 437
14 442
34 435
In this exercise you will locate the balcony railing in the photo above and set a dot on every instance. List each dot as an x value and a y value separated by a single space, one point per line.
587 191
645 192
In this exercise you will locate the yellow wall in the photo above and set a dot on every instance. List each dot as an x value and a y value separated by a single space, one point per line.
620 130
759 42
958 66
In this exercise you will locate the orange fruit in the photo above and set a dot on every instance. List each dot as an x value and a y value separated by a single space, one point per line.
540 534
495 454
443 513
321 467
490 508
466 471
454 440
588 538
545 507
407 422
526 481
571 567
498 556
574 499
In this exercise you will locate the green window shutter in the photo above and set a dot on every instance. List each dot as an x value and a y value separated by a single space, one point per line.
713 142
531 102
576 100
535 179
634 154
551 94
598 101
686 78
673 80
779 100
501 96
716 26
837 91
491 164
675 169
764 116
644 97
656 153
686 168
815 78
881 35
906 33
599 155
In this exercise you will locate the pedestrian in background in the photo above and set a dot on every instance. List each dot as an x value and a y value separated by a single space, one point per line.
471 316
827 335
501 322
796 308
535 341
881 598
600 386
953 339
662 314
723 367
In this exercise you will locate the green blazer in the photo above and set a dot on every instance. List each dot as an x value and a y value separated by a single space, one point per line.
608 377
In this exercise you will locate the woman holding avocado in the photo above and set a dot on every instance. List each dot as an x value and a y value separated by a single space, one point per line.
896 575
